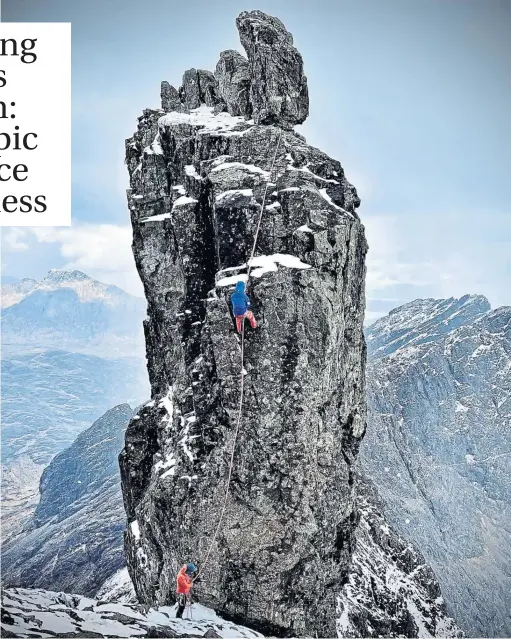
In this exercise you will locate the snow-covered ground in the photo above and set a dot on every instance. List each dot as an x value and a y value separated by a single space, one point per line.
42 613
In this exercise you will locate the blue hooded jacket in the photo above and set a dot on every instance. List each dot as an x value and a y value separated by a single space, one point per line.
239 300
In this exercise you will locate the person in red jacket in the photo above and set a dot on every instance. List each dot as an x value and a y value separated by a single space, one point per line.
184 585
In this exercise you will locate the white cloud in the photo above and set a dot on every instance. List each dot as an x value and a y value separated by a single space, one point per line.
439 255
389 263
12 237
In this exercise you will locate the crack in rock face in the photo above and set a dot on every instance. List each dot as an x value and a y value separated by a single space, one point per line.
197 178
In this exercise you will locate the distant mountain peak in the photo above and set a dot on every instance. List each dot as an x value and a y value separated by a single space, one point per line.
58 275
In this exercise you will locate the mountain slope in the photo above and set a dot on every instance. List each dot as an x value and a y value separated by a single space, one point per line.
49 397
63 365
438 445
14 291
76 537
72 311
391 591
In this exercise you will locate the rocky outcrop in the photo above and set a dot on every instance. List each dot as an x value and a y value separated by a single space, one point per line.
269 87
233 77
197 185
170 100
75 539
437 445
278 86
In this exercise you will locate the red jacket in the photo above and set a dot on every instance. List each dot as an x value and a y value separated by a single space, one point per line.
184 582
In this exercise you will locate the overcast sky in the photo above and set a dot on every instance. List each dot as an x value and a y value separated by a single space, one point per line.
412 96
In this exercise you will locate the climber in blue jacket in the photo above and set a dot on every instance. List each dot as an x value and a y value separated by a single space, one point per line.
241 307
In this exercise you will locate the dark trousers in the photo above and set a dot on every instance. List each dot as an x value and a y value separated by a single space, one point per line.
181 605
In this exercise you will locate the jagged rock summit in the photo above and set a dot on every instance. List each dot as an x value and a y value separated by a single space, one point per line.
270 86
198 179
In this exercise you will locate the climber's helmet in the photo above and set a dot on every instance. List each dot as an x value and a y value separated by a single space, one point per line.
191 569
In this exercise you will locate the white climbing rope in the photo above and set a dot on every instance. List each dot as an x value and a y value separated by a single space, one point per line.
242 377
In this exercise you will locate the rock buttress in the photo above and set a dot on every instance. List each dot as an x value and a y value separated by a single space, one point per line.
284 548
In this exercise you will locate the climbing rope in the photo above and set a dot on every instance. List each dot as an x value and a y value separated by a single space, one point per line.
242 381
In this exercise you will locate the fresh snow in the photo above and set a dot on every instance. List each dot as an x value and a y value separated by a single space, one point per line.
267 263
222 123
264 264
118 588
306 169
166 402
135 529
155 147
191 171
184 439
326 197
45 614
227 195
156 218
184 199
168 465
249 167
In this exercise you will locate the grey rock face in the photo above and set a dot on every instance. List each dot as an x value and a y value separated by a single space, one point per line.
207 88
197 183
199 87
75 542
190 93
437 445
278 86
233 77
170 100
270 87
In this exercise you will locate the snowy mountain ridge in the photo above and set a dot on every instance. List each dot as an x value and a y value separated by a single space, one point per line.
421 321
86 288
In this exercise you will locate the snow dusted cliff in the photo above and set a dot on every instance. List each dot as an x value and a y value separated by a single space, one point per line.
199 169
